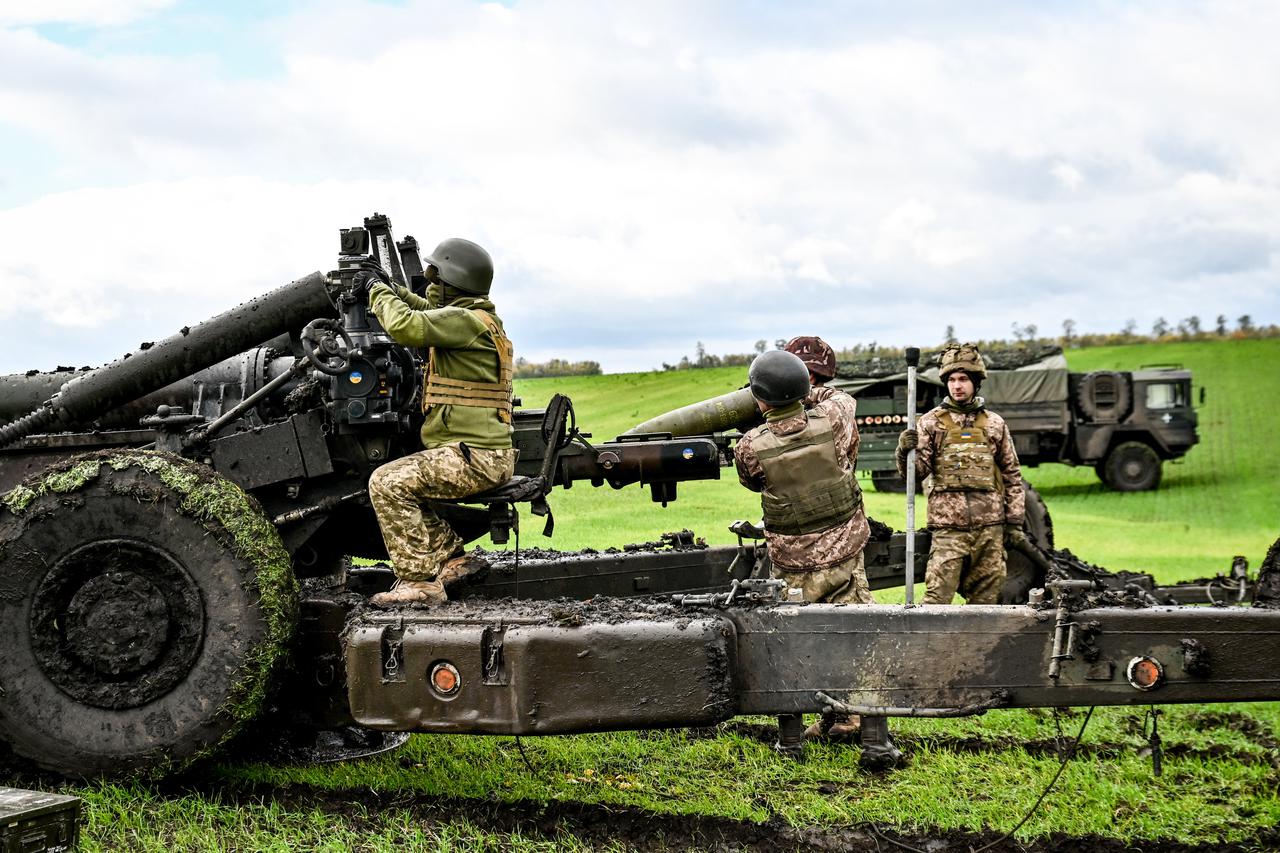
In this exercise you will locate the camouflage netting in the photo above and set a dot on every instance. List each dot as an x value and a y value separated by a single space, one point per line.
230 514
997 357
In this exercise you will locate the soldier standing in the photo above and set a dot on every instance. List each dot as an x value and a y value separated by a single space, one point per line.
802 462
975 489
467 431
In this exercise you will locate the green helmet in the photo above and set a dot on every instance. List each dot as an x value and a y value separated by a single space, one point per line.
463 265
778 378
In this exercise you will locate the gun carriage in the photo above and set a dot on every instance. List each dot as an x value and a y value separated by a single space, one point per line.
176 527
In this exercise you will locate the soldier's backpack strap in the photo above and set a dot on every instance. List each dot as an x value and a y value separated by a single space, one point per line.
440 390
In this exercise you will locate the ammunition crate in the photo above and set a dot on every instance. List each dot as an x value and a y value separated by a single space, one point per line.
36 822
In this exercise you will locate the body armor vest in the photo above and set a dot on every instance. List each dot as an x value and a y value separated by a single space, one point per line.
806 489
966 461
441 390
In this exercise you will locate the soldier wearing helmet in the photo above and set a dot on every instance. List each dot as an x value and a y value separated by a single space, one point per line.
974 484
817 355
466 400
802 462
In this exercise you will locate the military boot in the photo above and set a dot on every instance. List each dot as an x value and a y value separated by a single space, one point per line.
411 592
836 728
461 567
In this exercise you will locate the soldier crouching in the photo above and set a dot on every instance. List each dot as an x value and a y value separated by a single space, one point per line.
974 485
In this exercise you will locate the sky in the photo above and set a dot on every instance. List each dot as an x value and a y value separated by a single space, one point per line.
647 176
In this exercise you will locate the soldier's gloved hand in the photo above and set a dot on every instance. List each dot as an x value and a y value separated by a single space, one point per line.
1014 537
370 273
908 440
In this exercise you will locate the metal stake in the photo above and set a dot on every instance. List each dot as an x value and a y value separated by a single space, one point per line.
913 360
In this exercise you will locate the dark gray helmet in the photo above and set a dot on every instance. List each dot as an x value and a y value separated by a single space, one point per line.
463 265
778 378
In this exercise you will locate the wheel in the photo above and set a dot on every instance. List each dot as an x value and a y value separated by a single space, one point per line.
1022 575
1132 467
1037 524
889 481
1104 396
143 603
1101 470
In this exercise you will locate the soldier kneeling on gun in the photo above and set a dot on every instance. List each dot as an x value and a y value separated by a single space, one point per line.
467 432
802 462
975 489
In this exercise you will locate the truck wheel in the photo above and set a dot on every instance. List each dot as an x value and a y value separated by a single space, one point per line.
1022 575
144 601
889 481
1132 467
1104 396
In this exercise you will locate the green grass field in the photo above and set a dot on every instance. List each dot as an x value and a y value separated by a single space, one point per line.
1221 781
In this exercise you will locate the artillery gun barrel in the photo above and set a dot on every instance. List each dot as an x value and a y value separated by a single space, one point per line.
91 395
735 410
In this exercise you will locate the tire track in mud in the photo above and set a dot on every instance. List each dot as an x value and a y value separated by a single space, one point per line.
644 831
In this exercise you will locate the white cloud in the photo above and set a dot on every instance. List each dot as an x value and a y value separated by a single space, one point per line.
686 167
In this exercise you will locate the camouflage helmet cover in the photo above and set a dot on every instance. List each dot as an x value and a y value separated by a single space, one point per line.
463 265
962 357
816 353
778 378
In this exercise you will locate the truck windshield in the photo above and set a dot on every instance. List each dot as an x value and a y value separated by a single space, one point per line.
1166 395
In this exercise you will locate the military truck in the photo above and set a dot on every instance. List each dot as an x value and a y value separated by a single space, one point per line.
175 529
1125 424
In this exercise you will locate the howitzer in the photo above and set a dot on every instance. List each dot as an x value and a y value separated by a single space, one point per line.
158 515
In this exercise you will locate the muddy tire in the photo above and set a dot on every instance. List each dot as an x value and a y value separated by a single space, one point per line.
1022 575
889 481
139 618
1132 467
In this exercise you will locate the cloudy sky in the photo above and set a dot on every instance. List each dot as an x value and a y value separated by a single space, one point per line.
646 175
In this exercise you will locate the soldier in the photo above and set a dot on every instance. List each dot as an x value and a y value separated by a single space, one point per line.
975 491
818 356
467 433
803 462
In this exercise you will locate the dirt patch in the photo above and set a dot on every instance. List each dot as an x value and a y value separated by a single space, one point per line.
644 831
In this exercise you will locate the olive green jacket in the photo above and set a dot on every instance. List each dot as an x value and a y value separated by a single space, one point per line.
464 349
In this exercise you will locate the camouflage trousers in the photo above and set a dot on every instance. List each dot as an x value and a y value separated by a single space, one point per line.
417 540
982 581
843 583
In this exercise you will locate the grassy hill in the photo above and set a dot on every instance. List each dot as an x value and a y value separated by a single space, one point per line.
1217 502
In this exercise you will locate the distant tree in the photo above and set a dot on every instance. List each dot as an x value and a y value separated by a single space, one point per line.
1244 323
780 343
700 353
1160 328
1221 329
1017 330
1130 328
761 346
950 336
1193 325
1031 330
1068 331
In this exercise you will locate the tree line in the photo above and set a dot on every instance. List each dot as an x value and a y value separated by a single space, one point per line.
1028 335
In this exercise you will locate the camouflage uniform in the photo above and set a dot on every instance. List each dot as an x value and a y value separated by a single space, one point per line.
827 565
468 447
417 540
967 524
